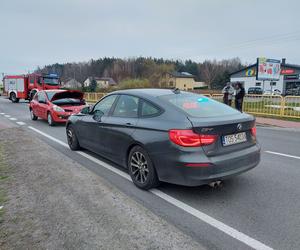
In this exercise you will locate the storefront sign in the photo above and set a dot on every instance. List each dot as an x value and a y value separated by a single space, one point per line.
250 72
287 71
268 69
291 77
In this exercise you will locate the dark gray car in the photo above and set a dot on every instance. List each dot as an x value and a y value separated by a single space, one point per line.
165 135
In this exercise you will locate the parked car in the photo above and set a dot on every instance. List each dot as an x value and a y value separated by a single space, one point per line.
56 106
272 92
276 91
293 91
164 135
255 90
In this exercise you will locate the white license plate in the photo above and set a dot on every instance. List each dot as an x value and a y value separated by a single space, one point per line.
234 139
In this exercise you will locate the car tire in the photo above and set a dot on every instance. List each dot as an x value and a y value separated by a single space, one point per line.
72 138
14 98
50 120
141 169
33 116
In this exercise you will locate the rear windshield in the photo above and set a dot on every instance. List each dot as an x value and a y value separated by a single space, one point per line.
198 105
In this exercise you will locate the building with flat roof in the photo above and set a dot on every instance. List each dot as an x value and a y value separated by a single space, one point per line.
288 82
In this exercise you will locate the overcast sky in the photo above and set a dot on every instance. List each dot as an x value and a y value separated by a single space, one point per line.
39 32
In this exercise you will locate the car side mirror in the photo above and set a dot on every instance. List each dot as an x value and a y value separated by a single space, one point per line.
86 110
98 115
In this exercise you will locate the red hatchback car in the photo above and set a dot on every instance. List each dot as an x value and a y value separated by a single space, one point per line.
56 105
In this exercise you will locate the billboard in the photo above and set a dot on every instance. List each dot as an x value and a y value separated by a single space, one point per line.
267 69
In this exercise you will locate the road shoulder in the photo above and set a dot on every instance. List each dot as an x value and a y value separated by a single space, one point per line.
53 202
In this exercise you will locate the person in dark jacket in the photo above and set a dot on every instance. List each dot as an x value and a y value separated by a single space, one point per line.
239 96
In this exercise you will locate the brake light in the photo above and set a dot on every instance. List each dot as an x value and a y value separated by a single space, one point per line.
253 131
187 138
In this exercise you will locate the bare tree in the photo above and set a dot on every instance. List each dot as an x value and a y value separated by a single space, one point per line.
209 72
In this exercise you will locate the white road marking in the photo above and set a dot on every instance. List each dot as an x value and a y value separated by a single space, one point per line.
192 211
21 123
2 113
286 155
7 116
13 119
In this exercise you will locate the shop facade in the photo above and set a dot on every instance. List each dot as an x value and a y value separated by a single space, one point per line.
288 83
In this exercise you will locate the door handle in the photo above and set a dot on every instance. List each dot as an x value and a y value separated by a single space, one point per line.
128 124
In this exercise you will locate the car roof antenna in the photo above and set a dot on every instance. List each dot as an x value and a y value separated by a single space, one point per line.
176 91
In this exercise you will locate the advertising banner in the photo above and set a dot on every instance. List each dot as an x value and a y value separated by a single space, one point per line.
267 69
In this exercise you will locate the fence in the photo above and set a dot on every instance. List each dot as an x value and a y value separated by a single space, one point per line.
93 97
266 105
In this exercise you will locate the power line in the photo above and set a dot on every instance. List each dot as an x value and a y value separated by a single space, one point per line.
268 40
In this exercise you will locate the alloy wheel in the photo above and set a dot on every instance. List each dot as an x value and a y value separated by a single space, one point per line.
139 167
49 119
70 136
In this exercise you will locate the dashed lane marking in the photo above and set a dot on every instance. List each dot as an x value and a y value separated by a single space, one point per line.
185 207
13 119
21 123
7 116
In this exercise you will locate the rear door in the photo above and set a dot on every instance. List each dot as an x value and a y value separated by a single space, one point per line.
34 104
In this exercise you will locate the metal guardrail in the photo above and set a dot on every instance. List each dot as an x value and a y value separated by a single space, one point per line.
271 105
268 105
292 106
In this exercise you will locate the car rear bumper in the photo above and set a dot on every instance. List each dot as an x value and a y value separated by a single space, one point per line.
173 169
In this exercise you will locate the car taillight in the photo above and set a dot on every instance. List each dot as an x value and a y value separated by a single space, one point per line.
187 138
253 131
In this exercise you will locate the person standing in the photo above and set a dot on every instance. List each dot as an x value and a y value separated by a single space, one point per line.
227 92
239 96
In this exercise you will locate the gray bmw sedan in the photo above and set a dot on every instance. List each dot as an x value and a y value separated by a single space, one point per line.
167 135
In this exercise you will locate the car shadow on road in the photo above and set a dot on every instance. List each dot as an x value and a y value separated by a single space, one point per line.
231 189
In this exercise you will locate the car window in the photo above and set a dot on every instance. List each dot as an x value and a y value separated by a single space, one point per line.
198 105
127 106
105 104
148 109
41 97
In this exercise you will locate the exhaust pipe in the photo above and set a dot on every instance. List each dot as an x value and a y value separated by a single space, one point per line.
215 184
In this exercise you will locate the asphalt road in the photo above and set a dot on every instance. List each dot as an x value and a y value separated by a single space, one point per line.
259 209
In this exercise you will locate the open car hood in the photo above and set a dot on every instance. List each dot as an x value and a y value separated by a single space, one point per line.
74 94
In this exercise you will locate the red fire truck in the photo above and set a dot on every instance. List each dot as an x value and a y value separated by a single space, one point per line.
18 87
